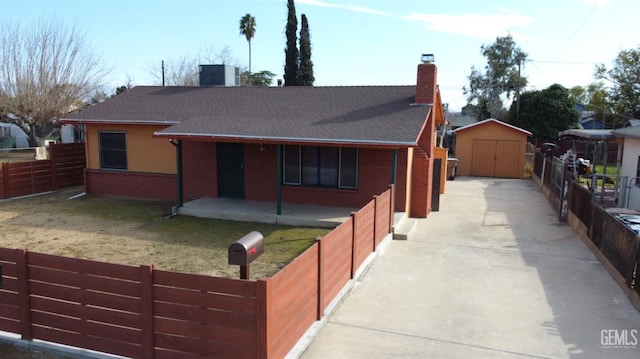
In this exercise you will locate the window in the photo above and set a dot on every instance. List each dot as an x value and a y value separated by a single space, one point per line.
291 161
113 150
320 166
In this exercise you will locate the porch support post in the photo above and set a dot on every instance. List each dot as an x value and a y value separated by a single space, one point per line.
394 165
179 204
279 184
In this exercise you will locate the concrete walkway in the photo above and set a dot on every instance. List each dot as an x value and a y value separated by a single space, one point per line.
493 274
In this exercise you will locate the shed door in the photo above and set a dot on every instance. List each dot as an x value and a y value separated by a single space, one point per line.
484 158
507 159
494 158
231 170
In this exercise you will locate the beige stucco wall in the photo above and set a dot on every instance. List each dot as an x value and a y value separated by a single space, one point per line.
487 131
144 152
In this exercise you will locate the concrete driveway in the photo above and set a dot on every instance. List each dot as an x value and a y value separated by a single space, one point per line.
493 274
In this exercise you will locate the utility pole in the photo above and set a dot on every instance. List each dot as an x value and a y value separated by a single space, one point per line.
518 91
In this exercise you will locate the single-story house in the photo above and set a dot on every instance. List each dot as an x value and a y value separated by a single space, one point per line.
491 148
630 158
333 146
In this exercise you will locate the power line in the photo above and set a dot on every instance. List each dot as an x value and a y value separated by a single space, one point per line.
562 62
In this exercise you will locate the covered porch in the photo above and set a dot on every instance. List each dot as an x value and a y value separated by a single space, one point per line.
292 214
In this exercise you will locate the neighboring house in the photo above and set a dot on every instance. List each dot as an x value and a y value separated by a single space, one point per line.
71 134
588 121
630 162
455 121
491 148
12 136
334 146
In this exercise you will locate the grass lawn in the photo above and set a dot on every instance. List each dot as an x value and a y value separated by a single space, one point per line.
139 232
611 169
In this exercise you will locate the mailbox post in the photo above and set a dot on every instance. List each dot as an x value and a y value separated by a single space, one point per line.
245 250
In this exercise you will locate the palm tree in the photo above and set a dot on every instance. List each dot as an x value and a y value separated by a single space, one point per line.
248 29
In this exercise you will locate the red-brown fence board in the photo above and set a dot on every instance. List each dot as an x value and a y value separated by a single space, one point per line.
64 169
140 312
382 221
9 302
96 343
204 315
336 261
72 299
363 233
293 295
3 189
28 177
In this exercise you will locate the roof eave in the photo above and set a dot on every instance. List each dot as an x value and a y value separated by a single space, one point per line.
118 122
284 140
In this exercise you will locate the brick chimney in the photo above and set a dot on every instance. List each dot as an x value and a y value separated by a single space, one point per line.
426 83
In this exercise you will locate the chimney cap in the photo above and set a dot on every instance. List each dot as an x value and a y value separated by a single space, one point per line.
427 58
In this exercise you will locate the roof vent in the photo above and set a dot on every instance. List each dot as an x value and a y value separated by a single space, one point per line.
427 58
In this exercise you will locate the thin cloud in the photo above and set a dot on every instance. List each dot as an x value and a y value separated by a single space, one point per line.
598 3
349 7
474 25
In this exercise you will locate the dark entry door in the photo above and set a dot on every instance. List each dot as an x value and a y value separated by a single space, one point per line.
231 170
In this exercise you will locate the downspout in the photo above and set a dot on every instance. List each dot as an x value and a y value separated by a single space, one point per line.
279 185
394 174
174 209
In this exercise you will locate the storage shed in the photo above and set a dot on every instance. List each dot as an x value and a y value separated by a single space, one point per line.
491 148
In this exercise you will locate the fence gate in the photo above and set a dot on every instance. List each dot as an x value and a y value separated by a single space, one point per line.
632 194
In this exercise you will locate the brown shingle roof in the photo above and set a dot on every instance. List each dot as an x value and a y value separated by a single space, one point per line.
371 114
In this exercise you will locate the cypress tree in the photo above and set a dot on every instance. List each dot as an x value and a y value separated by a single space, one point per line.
305 69
291 51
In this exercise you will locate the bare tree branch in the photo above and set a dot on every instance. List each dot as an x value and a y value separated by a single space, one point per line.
45 72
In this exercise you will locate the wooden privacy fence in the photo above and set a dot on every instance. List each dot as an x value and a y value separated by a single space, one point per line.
64 169
610 239
615 245
141 312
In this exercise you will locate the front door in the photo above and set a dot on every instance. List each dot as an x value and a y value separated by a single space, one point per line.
231 170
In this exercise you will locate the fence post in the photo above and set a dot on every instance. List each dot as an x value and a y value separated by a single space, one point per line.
375 222
23 293
392 206
262 318
5 180
353 244
53 164
320 312
146 311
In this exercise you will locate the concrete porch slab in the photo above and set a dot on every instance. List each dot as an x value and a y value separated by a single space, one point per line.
266 212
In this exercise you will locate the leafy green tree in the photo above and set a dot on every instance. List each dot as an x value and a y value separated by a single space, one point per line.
625 77
291 51
305 69
262 78
595 98
248 29
501 76
546 112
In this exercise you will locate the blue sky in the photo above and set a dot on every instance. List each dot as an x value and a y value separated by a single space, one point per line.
356 42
